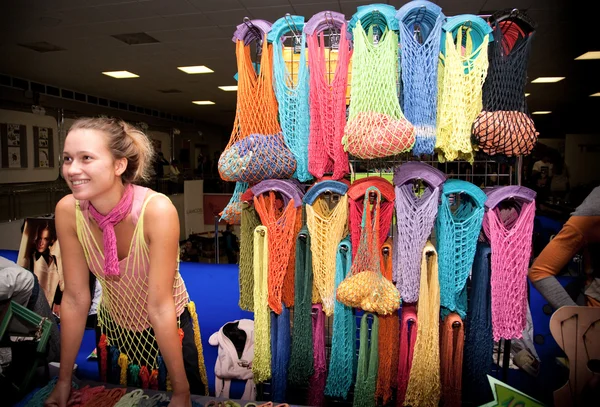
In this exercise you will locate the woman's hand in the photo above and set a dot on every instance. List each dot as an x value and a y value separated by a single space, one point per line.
59 396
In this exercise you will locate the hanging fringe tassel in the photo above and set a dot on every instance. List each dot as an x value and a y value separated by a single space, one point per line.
115 372
123 362
452 343
316 390
408 336
133 374
198 341
153 384
144 377
102 354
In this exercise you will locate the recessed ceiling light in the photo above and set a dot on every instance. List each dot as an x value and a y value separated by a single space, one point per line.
195 69
203 102
527 94
589 55
121 74
232 88
548 79
542 112
597 94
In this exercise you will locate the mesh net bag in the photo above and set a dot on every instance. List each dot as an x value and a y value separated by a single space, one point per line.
250 221
462 70
292 94
232 213
256 149
505 126
457 232
328 106
420 32
281 225
327 227
508 225
366 288
261 364
376 126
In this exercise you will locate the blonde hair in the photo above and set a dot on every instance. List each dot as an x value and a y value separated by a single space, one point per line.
124 141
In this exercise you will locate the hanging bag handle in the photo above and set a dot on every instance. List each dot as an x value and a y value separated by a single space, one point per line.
335 187
382 15
323 21
287 190
414 170
497 195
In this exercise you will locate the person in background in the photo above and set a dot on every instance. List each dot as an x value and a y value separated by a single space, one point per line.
543 166
128 236
159 164
189 252
21 286
232 248
580 233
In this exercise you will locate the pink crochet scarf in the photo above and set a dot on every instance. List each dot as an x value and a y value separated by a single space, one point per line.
107 226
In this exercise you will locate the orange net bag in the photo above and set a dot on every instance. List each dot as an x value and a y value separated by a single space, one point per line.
366 288
256 150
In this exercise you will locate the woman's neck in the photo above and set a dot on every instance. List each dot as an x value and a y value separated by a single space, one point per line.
105 202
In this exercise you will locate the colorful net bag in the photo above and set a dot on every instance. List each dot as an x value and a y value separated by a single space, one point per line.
256 150
424 382
261 364
376 126
366 288
368 363
505 126
508 225
283 223
291 90
418 188
327 97
457 232
232 213
462 70
451 359
356 195
343 343
420 24
327 226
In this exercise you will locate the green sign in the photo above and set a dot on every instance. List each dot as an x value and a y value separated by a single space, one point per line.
506 396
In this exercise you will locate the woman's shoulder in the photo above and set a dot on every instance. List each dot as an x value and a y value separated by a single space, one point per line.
66 205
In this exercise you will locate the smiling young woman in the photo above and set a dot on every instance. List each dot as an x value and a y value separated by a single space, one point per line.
128 236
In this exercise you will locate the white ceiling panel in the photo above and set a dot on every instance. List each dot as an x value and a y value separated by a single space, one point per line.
308 10
216 5
271 14
229 17
188 21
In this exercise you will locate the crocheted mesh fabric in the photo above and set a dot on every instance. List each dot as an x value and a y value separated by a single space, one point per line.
460 82
261 364
415 216
424 382
281 225
368 363
250 221
457 235
301 366
343 343
505 126
419 83
256 150
292 99
327 228
451 350
328 106
376 126
511 254
232 213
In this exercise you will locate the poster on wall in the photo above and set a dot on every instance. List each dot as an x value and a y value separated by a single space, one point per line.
13 145
43 151
40 253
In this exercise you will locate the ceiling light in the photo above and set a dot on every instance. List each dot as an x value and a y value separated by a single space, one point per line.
548 79
121 74
597 94
589 55
195 69
232 88
527 94
542 112
203 102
